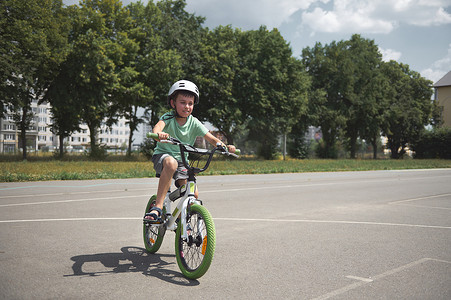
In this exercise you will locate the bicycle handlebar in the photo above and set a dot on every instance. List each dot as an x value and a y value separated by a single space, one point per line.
188 148
171 140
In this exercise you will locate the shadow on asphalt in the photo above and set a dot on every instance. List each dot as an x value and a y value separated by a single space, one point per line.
130 259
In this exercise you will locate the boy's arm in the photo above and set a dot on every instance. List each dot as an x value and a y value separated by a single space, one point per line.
214 140
158 130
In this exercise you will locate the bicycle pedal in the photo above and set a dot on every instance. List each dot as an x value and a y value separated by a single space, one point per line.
152 222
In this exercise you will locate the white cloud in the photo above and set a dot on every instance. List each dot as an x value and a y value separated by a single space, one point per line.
445 62
375 16
345 20
428 18
433 75
389 54
439 68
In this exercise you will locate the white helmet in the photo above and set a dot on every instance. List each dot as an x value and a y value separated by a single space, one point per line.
184 85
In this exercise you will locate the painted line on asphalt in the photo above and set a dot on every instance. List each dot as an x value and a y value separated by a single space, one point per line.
404 202
69 201
244 220
420 198
359 278
71 193
361 283
69 219
75 186
333 222
265 187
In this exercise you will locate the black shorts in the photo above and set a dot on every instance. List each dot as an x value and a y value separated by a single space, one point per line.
180 173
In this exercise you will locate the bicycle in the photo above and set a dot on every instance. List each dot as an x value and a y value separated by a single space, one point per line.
195 235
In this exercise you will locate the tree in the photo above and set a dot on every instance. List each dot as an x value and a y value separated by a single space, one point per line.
409 109
64 107
327 65
365 91
99 43
271 86
219 105
32 42
182 32
145 79
348 76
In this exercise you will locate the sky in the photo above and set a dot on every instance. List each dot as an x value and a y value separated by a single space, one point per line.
413 32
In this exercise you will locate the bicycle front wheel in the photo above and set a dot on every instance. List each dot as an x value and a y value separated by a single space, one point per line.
153 234
194 255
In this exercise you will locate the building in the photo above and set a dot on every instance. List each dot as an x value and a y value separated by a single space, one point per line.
40 137
443 98
38 134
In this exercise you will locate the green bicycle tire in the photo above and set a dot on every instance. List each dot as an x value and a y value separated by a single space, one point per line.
205 251
153 235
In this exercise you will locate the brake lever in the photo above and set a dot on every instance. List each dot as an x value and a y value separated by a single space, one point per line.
166 141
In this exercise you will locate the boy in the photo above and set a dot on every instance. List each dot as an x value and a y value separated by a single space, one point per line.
180 124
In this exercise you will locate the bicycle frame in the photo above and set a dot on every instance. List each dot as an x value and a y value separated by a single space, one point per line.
189 188
181 208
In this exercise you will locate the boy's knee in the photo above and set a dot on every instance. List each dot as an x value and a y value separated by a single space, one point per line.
170 163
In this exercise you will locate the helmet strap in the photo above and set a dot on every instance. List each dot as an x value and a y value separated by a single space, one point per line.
176 114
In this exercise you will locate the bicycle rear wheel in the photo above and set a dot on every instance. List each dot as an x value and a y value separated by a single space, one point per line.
153 234
194 255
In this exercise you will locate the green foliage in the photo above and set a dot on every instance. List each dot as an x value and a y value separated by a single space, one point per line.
299 147
325 65
433 144
272 86
147 148
32 44
409 107
99 61
219 102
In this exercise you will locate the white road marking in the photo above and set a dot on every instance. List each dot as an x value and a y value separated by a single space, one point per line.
333 222
69 219
72 193
380 276
73 200
405 202
360 278
240 220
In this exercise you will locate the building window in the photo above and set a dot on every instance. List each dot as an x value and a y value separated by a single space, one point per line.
9 127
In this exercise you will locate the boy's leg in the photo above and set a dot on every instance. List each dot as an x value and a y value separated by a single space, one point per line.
169 167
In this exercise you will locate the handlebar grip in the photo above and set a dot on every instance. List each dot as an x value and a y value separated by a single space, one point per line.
152 135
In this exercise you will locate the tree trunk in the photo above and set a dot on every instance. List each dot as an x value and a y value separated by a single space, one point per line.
353 145
23 132
61 149
130 141
93 139
374 144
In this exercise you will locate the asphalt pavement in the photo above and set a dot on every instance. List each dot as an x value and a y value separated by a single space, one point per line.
344 235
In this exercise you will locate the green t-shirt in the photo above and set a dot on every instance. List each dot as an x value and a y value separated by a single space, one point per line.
186 134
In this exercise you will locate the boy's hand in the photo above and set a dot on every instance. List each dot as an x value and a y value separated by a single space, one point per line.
231 148
162 135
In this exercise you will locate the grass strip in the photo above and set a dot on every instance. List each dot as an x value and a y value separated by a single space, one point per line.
86 170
